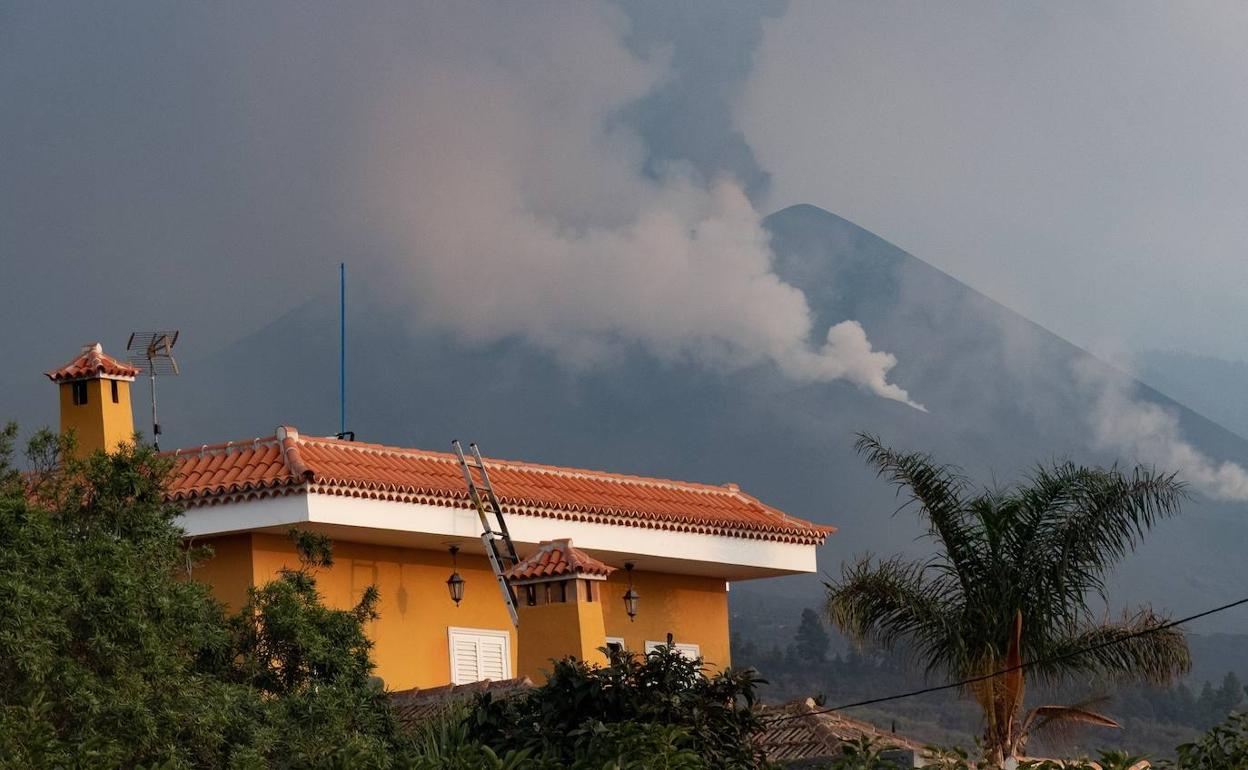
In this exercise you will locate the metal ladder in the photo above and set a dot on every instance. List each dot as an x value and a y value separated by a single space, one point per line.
493 526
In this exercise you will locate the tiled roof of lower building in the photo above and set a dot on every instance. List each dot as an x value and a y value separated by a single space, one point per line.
419 704
289 463
797 730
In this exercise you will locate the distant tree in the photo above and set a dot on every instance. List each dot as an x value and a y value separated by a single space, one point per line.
1207 704
1013 580
1230 694
812 640
742 648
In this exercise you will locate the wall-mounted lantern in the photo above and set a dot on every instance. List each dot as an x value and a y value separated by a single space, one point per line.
455 583
630 596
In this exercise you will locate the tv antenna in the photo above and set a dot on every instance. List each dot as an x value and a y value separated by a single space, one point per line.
152 352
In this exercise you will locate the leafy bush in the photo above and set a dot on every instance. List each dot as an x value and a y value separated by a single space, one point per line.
110 658
443 742
1224 746
656 710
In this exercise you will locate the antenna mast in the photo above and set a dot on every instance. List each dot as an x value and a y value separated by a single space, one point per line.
343 433
152 352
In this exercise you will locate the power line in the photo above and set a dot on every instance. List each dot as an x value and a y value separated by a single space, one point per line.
1021 666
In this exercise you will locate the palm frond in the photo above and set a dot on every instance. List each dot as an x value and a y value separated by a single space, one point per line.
1041 717
1100 516
1058 723
937 489
1138 647
889 601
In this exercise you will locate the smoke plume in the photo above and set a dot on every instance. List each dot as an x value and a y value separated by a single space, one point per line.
1151 434
516 205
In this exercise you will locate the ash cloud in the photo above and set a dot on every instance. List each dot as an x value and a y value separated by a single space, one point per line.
1150 433
517 203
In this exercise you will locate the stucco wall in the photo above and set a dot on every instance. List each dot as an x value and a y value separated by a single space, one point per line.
550 631
693 609
416 611
98 424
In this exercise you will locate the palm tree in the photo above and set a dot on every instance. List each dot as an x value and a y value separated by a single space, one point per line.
1013 579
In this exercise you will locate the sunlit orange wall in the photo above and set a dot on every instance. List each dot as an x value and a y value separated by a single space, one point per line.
412 647
693 609
99 423
554 631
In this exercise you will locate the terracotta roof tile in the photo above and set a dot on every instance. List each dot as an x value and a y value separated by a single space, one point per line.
91 363
797 730
412 707
555 558
289 463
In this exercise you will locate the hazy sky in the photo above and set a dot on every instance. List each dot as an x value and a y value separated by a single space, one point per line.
1081 162
206 165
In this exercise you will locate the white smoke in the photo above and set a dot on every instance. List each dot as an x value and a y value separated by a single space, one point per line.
516 205
1151 434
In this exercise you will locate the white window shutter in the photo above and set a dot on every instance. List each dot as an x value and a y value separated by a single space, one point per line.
690 651
464 667
478 654
492 663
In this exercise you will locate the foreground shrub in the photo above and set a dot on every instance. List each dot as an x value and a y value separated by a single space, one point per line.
1224 746
653 711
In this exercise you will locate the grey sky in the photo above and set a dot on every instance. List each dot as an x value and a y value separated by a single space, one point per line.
1082 163
207 165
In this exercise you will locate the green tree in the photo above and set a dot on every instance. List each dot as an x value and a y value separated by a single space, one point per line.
1014 578
109 657
310 664
1230 694
811 639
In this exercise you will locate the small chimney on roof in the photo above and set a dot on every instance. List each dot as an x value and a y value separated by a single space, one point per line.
95 400
559 588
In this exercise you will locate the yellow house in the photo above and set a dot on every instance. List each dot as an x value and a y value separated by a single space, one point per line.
395 513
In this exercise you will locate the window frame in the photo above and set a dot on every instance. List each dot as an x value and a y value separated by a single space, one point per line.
79 392
453 631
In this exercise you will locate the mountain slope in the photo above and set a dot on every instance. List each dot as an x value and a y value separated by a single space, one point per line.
1000 390
1213 386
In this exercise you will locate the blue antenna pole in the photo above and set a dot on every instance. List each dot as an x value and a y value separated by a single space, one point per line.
342 350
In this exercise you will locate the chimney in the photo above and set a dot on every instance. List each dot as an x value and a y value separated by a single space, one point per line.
95 400
558 590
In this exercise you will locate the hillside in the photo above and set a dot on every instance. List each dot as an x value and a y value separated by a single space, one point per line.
1213 386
